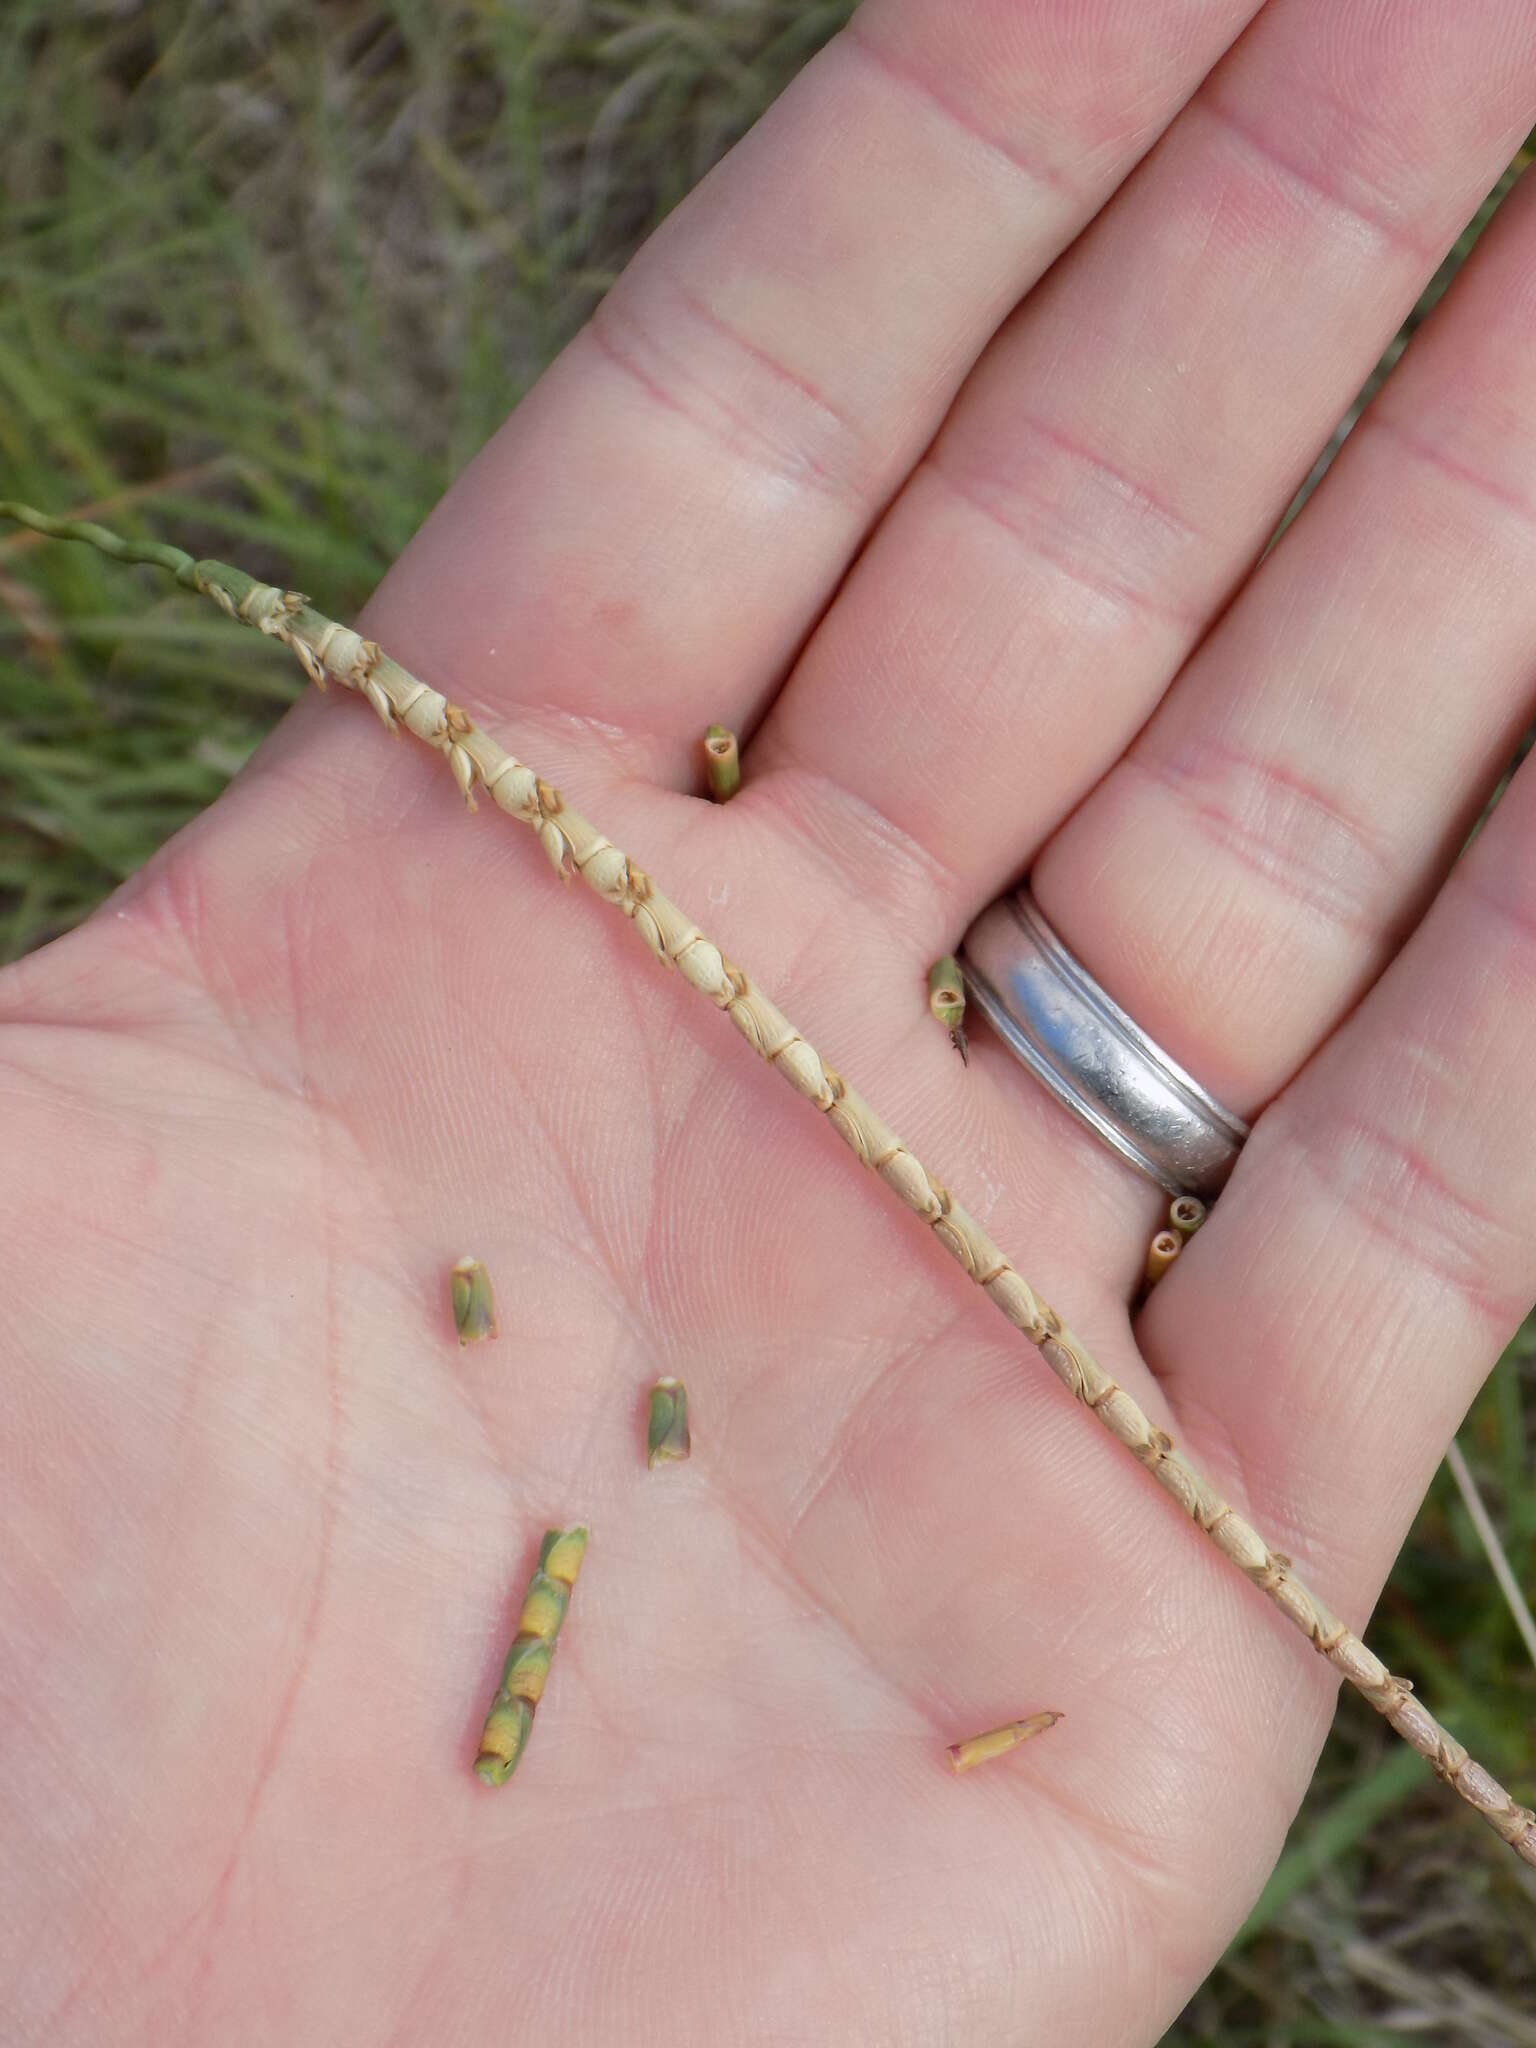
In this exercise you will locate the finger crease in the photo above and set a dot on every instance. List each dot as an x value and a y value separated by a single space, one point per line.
924 88
1375 218
671 379
1000 506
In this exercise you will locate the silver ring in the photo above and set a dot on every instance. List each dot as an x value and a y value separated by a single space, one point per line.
1049 1010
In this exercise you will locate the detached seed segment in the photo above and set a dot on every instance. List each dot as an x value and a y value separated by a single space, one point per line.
722 763
946 999
508 1724
474 1305
980 1749
666 1438
1161 1253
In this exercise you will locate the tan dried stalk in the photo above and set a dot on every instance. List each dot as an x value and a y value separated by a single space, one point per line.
571 844
984 1749
1493 1548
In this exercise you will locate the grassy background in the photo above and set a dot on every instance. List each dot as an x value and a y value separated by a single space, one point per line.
268 275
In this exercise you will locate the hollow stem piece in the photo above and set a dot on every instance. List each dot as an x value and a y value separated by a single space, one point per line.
722 763
510 1720
1186 1213
981 1749
1161 1253
946 999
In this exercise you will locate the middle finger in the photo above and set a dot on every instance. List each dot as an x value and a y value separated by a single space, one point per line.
1128 442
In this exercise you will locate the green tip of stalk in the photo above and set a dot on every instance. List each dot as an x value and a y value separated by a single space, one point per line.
474 1305
157 553
722 763
492 1770
667 1440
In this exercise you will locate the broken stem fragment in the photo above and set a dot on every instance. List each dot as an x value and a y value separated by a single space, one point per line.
722 763
1161 1253
980 1749
1186 1213
508 1724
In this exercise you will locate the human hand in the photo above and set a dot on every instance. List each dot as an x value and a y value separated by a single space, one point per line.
267 1524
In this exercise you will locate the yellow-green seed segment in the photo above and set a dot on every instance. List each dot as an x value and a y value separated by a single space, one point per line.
666 1438
510 1720
474 1305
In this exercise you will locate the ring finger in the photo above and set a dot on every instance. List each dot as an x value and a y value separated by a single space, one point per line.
1249 866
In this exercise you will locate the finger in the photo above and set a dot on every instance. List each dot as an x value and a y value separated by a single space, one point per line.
648 539
1246 870
1131 438
1377 1244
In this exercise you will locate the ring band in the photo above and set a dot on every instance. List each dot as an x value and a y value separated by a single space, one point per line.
1048 1009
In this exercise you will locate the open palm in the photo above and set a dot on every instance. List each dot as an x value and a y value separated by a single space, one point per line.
267 1526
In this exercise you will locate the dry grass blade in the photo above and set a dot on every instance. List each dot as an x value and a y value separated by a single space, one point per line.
1498 1558
325 648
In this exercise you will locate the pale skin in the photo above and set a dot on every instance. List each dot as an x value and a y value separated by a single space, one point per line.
267 1526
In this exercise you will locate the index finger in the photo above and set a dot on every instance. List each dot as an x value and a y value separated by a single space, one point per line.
652 534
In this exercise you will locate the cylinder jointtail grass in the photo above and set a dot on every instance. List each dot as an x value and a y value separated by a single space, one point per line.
573 846
510 1721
